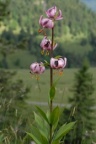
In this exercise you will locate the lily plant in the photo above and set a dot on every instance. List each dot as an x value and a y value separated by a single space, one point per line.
44 130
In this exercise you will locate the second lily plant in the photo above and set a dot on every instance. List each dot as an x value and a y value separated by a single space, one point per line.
44 130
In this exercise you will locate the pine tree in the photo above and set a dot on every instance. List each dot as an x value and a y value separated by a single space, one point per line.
81 110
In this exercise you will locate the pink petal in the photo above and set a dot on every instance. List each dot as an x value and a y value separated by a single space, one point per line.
40 20
55 46
49 24
59 17
65 61
52 62
51 12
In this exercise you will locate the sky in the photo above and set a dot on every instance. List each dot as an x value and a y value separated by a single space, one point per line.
90 3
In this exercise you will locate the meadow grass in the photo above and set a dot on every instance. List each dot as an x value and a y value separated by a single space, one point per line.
39 91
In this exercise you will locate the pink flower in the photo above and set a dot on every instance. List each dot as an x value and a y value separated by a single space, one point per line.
59 63
46 23
37 68
46 44
53 13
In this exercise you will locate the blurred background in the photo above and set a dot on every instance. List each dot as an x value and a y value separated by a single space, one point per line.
20 46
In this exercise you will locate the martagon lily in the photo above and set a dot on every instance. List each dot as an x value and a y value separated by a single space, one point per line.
53 13
46 44
37 68
59 63
43 130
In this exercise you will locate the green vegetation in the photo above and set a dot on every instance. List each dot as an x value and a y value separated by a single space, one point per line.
76 34
13 117
82 108
19 47
63 90
78 19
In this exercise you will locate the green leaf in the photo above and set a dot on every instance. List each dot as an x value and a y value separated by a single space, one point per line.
46 63
1 138
55 142
58 56
42 113
64 129
37 136
54 118
42 125
52 92
34 138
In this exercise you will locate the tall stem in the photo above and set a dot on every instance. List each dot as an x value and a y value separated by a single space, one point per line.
51 84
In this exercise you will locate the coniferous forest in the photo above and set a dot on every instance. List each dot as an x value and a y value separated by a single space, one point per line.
76 35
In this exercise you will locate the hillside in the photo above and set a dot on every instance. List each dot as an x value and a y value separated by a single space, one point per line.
75 34
78 21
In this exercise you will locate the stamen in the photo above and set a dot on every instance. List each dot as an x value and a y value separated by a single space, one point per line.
40 30
60 73
42 52
47 52
37 77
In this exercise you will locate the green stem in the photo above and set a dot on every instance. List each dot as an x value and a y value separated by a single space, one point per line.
51 84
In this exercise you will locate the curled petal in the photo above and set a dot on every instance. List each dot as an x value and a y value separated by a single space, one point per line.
52 63
40 20
54 46
59 16
51 12
46 23
42 68
62 62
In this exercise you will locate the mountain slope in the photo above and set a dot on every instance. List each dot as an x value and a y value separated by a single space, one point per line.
78 19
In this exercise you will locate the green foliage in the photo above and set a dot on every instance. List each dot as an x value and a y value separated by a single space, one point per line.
64 129
81 109
40 130
77 33
78 18
4 9
52 92
54 117
13 117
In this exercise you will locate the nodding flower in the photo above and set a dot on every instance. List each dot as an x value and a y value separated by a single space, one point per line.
53 13
37 68
46 22
59 63
46 44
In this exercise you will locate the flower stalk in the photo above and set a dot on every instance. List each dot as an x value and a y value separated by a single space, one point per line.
51 84
44 130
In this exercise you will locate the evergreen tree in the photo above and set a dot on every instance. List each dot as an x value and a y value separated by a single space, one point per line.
4 9
81 110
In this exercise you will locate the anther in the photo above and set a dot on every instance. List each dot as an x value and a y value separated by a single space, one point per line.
42 52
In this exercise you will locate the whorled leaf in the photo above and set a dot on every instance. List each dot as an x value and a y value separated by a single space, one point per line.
64 129
54 117
42 125
37 136
43 114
